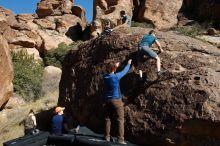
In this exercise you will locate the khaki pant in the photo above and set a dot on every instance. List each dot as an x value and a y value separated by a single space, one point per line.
114 110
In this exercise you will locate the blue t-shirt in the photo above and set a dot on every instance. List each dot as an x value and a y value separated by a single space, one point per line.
147 40
111 84
57 124
126 18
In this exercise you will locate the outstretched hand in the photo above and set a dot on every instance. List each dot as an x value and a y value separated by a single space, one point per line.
161 50
129 61
117 64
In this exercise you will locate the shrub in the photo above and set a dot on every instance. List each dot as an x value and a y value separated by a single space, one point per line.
141 24
56 56
27 75
192 31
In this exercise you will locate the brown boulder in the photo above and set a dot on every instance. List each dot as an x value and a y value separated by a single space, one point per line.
163 108
23 41
44 8
51 39
53 7
211 31
79 12
9 16
25 17
51 79
6 87
10 33
20 26
4 25
162 13
44 23
33 35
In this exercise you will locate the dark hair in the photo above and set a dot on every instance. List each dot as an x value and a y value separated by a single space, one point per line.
110 67
152 31
122 12
31 111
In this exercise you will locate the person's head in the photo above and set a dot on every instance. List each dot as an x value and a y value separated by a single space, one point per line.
107 24
31 111
152 32
59 110
112 67
122 13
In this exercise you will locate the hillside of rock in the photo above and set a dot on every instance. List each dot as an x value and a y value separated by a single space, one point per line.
6 69
55 22
168 110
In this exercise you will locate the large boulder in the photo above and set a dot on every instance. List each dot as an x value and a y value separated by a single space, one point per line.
202 9
7 18
51 39
51 79
6 87
8 15
54 7
65 24
80 12
170 109
108 10
161 13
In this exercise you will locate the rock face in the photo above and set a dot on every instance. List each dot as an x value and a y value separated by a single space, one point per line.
169 109
51 79
54 7
6 87
108 10
161 13
30 32
203 10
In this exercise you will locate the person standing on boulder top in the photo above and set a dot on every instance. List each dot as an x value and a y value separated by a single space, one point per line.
114 107
145 49
125 18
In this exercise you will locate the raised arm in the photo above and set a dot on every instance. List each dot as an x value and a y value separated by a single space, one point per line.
124 71
159 45
34 120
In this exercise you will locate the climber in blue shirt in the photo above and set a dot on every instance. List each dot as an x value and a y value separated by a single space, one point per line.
58 122
145 49
114 107
125 18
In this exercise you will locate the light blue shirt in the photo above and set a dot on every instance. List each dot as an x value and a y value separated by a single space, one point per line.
147 40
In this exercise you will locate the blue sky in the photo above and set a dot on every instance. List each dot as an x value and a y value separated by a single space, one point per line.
29 6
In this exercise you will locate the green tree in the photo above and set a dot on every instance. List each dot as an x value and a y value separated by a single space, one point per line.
56 56
27 75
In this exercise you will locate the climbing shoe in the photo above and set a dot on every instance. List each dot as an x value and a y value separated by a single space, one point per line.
159 73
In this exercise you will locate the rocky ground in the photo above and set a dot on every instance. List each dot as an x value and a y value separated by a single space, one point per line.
170 109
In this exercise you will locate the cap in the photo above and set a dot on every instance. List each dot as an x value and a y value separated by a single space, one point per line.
59 109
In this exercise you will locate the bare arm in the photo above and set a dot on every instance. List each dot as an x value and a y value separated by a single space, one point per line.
34 119
159 46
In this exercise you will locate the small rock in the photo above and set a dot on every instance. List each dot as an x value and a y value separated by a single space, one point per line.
211 31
